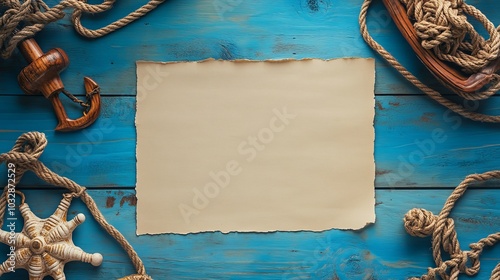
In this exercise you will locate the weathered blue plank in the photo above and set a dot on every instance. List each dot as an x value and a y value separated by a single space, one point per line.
418 143
103 154
381 251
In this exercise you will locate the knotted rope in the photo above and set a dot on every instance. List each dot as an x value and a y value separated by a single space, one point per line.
421 223
25 154
23 19
443 27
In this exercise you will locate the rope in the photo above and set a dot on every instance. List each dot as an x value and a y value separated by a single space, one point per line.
25 154
31 16
421 223
443 27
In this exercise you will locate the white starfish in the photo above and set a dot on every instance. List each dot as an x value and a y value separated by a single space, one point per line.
45 245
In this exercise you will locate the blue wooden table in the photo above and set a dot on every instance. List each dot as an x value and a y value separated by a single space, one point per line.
413 170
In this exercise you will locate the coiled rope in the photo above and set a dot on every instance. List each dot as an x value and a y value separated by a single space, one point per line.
25 154
421 223
31 16
443 27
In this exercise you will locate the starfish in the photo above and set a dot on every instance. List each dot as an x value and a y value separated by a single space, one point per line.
45 245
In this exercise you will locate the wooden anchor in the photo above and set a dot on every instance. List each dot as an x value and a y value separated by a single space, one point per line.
449 76
42 75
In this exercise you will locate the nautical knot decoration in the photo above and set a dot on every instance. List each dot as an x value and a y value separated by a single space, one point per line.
45 245
443 27
422 223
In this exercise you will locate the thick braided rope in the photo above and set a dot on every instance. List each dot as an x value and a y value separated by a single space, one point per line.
421 223
25 154
443 27
414 80
31 16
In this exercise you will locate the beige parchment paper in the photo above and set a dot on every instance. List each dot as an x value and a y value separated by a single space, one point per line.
255 146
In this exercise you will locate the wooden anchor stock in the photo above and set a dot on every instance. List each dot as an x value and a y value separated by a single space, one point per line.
42 75
448 75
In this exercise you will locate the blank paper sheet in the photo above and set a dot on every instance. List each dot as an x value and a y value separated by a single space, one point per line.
255 146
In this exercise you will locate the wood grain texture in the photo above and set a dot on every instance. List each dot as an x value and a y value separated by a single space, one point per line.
421 150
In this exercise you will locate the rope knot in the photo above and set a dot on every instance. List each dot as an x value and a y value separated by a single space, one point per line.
32 143
16 13
79 191
19 16
419 222
443 27
440 23
26 151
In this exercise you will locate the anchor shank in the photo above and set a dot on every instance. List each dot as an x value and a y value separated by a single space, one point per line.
30 50
42 74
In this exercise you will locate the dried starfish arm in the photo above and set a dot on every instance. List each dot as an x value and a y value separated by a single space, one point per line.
18 239
21 259
55 267
73 253
64 229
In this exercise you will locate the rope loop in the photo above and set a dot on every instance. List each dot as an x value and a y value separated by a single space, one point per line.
75 193
23 19
32 143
